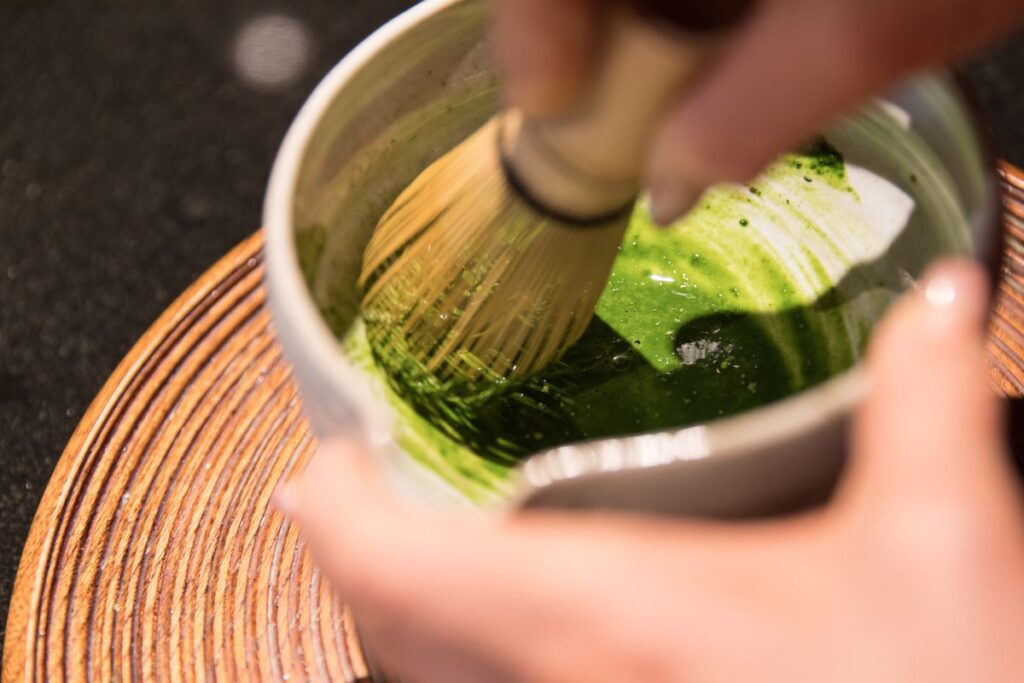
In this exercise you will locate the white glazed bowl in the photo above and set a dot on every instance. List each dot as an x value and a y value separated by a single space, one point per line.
413 90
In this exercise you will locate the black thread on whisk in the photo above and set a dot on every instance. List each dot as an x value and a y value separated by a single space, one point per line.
515 182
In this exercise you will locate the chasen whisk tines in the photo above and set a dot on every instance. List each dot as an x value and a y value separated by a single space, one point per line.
465 280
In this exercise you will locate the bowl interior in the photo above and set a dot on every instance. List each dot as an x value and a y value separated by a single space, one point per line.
418 96
913 165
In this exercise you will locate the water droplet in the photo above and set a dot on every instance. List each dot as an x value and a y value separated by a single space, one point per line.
621 360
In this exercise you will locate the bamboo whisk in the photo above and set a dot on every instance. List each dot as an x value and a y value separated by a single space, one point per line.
471 280
490 264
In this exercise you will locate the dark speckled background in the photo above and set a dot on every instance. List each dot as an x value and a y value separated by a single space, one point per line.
132 156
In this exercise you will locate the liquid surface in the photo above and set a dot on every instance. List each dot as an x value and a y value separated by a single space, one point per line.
762 291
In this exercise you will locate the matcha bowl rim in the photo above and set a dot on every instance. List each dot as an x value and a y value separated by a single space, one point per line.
336 397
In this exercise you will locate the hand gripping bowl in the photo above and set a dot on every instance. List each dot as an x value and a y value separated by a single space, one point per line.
421 84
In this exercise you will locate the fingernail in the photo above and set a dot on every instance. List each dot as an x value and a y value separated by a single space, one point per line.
523 89
287 494
957 291
518 92
522 68
530 72
284 500
671 199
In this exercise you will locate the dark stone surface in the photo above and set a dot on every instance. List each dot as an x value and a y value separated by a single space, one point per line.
132 156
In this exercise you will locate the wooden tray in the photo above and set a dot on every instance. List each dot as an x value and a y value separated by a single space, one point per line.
154 553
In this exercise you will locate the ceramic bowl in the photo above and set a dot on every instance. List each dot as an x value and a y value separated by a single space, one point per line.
418 86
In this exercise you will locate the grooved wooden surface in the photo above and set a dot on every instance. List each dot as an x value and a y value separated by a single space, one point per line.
1006 342
154 554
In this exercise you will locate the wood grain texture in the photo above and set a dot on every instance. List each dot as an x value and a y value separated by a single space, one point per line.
154 554
1006 341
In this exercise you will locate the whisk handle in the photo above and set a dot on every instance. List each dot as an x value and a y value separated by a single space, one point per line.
589 163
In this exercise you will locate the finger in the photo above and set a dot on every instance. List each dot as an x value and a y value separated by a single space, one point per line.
931 426
341 505
535 598
339 516
373 549
416 579
450 598
454 598
339 467
791 70
545 50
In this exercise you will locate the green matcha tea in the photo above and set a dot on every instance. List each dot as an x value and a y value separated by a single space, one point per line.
762 291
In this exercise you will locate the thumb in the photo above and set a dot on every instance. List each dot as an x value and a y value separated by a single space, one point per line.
931 425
